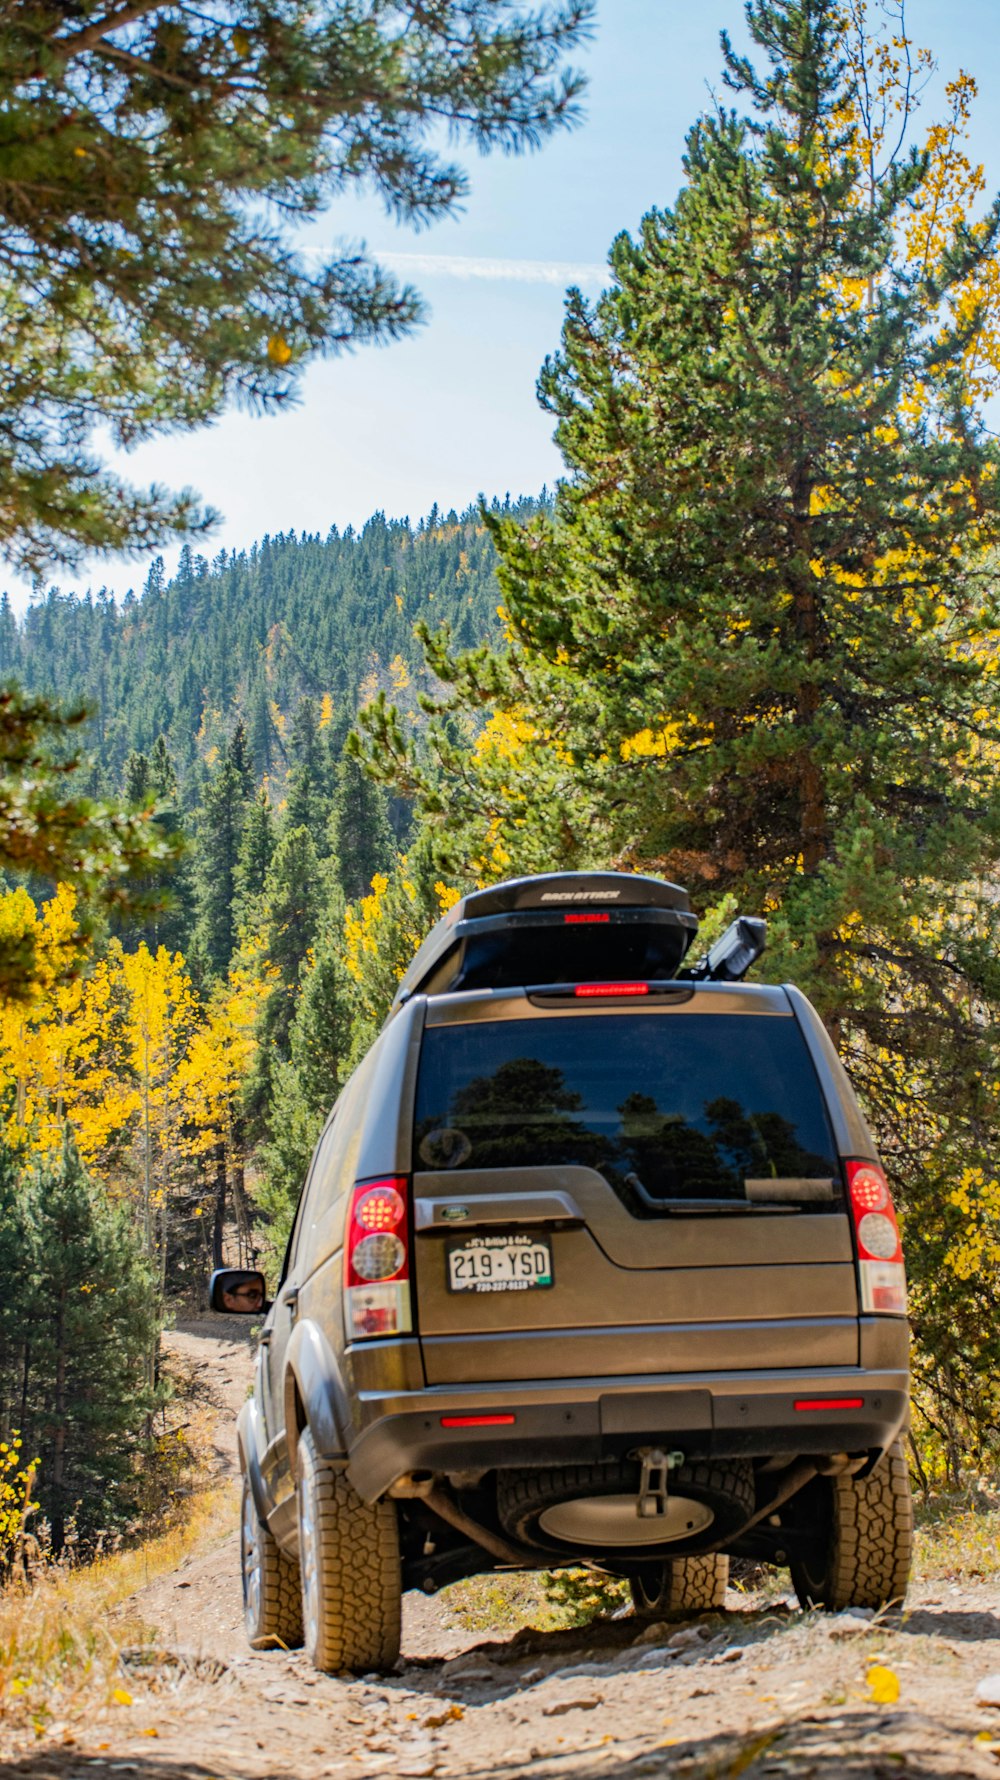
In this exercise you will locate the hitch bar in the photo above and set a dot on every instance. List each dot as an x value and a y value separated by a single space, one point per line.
657 1465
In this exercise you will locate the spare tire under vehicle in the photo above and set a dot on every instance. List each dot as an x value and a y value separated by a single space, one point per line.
590 1510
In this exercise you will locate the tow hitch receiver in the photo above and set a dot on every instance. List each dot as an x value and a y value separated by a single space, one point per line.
656 1468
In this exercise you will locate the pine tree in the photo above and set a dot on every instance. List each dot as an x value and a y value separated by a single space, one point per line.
292 909
159 158
151 780
309 780
84 1363
220 831
755 647
240 756
257 844
51 830
360 837
304 1088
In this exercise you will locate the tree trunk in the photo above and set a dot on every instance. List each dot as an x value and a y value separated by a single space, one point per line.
220 1204
58 1517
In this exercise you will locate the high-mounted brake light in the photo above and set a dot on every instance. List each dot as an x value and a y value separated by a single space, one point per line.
880 1252
594 991
593 919
377 1260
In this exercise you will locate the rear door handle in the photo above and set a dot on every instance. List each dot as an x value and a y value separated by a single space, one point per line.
291 1298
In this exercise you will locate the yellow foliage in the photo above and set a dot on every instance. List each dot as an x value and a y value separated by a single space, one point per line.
326 711
504 736
123 1055
361 924
218 1057
400 674
446 896
16 1479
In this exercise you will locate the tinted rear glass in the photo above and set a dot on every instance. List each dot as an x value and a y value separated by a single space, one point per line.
667 1107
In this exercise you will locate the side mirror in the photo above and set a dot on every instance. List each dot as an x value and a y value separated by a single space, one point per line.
236 1292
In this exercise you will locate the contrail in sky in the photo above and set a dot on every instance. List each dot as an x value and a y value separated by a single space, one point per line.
459 265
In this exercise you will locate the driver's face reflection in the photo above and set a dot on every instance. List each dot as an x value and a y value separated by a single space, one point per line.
248 1295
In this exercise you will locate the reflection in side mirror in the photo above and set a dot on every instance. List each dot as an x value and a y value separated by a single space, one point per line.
236 1292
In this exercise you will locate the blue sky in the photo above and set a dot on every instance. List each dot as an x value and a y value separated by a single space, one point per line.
451 412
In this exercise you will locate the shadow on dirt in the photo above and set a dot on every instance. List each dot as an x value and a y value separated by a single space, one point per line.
851 1745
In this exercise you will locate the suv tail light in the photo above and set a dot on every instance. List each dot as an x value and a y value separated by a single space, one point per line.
377 1260
880 1252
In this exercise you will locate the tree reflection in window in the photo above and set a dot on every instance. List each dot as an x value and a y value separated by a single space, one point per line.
665 1109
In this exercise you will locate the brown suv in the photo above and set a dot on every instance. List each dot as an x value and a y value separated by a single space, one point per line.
595 1262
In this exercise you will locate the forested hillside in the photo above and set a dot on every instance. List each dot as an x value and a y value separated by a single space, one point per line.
252 633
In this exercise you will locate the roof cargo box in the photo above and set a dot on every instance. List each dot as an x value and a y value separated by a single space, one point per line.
573 927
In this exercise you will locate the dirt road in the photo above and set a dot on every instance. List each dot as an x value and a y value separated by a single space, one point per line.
761 1690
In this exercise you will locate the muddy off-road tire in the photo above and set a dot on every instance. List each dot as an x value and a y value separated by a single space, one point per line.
682 1585
351 1576
272 1593
868 1525
575 1508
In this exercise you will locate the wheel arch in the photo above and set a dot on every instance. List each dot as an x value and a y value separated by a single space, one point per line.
314 1395
249 1445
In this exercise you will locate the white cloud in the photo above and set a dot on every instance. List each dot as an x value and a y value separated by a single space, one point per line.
458 265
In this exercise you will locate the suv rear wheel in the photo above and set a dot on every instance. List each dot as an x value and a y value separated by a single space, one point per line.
272 1597
868 1538
684 1585
351 1577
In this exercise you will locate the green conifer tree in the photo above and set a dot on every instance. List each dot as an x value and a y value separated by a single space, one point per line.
308 800
361 840
91 1326
305 1087
292 909
754 648
257 844
220 832
159 157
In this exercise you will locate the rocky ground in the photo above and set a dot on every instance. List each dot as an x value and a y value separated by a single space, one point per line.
761 1690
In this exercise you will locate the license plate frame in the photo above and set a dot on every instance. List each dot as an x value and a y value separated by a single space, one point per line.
503 1275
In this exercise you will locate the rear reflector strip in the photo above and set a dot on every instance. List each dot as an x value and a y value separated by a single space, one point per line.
807 1405
477 1421
590 991
592 920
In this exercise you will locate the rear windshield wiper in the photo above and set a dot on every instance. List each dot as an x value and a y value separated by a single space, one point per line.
710 1207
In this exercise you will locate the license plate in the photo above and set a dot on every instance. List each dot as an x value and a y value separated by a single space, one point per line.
499 1264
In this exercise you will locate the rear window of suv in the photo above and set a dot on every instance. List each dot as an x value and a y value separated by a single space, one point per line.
709 1108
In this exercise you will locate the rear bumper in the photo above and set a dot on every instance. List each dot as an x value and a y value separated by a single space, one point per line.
556 1422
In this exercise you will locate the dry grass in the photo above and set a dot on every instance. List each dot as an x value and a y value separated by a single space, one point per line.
958 1538
60 1637
502 1604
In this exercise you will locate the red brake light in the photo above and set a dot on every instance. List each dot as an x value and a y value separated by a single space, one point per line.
880 1252
589 920
477 1421
379 1208
810 1405
377 1260
592 991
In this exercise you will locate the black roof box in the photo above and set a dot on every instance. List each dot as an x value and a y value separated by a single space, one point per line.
582 926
